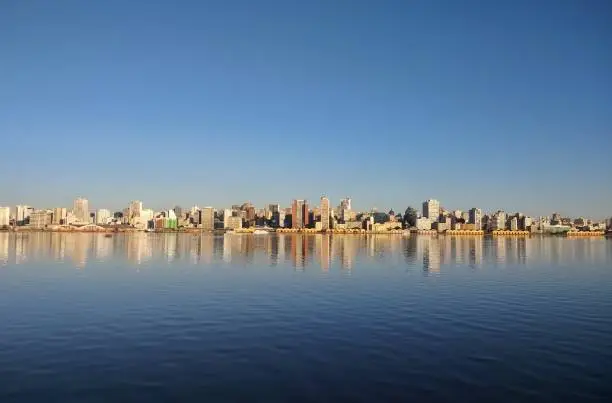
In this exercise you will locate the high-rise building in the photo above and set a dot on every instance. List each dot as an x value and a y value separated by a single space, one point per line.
476 217
40 219
345 204
5 216
103 217
325 213
431 209
297 213
208 218
22 214
227 213
59 216
81 210
135 209
250 213
178 211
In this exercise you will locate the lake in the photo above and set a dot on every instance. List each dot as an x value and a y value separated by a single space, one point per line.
304 318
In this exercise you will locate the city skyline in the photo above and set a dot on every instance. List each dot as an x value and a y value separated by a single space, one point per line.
488 104
134 207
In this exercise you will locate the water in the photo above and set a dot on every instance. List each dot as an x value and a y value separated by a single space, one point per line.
156 318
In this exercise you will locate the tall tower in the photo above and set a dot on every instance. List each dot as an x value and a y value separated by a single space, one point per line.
81 210
431 209
297 214
325 213
476 217
208 218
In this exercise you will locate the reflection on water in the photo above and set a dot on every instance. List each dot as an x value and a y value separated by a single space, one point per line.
434 254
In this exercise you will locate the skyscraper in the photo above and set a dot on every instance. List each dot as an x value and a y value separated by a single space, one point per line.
5 216
297 213
476 217
103 216
135 209
22 214
431 210
208 218
325 213
81 210
227 213
59 215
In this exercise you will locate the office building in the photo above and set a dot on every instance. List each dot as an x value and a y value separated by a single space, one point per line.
81 210
514 224
134 210
146 214
325 213
5 216
227 213
40 219
208 218
476 217
297 214
345 204
22 214
423 223
431 210
233 222
103 217
59 216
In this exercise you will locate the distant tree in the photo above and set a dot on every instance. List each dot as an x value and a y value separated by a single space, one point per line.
410 217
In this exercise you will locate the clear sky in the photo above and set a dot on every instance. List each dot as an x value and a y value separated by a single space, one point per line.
494 104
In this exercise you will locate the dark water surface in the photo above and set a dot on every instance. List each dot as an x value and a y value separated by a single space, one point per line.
159 318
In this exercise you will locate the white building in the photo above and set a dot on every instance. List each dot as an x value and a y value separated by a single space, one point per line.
5 216
59 215
234 222
134 210
227 213
208 218
476 217
431 209
22 214
146 214
103 217
423 223
81 210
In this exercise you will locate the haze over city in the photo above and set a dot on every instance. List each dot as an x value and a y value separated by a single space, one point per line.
488 104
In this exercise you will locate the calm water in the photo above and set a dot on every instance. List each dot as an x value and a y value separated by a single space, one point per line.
153 318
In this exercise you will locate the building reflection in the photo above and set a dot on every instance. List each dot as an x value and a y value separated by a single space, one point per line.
430 253
4 248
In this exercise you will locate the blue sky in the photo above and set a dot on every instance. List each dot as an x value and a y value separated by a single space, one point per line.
495 104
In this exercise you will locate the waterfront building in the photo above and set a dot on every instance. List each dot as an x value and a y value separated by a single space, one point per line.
178 211
81 210
325 214
208 218
299 214
134 210
498 221
345 204
514 224
227 213
423 223
40 219
103 217
234 222
475 217
5 216
59 216
431 209
525 223
22 214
